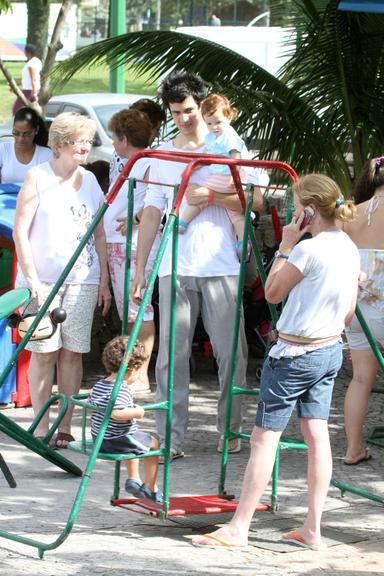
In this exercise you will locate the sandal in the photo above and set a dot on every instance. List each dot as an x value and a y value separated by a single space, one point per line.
174 455
61 441
234 445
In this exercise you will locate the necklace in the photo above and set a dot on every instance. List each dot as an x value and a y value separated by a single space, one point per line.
372 206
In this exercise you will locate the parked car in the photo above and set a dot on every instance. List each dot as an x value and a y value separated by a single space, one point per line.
100 107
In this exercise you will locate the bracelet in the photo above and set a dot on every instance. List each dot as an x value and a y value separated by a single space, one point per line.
279 254
210 199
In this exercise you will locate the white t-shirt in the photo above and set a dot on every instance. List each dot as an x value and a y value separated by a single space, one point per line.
26 82
13 171
208 246
118 208
60 222
317 306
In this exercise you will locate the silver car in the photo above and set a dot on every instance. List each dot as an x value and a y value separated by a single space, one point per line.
100 107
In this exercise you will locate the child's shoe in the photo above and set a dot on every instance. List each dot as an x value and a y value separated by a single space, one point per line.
182 227
156 497
239 250
134 487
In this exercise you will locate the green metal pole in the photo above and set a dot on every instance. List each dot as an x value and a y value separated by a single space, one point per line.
117 27
235 342
171 363
128 253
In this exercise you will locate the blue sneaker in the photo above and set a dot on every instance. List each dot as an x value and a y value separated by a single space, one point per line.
134 487
156 497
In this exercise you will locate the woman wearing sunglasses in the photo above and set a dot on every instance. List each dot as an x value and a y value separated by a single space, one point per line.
28 148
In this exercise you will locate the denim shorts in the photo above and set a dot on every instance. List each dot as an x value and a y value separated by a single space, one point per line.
306 381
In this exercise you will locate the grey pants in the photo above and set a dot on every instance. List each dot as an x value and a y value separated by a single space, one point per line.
215 298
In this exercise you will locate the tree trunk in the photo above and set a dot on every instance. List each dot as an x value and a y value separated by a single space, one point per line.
37 29
38 17
16 89
53 47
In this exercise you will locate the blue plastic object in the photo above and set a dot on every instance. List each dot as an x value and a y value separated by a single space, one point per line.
7 213
8 194
7 348
374 6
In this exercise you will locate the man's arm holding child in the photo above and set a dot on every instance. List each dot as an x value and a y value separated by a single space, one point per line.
197 195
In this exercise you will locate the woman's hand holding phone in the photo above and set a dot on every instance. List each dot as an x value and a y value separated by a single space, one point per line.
293 231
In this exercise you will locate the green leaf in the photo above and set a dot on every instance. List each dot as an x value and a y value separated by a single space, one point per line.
324 106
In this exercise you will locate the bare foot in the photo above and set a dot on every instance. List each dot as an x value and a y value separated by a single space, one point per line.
225 537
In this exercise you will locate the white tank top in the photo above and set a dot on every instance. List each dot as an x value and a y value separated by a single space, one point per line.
61 220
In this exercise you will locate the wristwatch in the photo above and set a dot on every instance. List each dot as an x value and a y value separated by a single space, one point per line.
279 254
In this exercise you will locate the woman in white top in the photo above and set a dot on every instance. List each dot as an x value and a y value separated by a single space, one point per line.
367 233
318 277
55 208
28 149
132 132
30 77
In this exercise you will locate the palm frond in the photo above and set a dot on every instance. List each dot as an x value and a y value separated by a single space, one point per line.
324 103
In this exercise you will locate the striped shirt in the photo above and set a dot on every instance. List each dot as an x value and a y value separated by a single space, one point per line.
100 396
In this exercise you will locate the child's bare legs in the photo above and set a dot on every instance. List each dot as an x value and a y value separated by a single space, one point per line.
239 229
187 216
133 470
237 219
151 465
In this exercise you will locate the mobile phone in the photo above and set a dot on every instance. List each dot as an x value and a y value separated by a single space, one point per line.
308 215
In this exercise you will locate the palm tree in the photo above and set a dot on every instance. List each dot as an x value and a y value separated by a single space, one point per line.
324 106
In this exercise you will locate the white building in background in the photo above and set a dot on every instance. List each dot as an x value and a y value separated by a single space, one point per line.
13 27
264 46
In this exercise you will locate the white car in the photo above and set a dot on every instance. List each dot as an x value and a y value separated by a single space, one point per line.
100 107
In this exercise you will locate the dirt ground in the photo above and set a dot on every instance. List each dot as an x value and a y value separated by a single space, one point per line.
112 541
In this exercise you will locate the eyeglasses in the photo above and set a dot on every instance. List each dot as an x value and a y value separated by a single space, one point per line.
27 134
83 142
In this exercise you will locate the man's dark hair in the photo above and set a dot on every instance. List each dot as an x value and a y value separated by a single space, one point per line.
179 85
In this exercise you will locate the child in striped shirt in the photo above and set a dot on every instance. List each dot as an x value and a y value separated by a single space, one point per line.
123 434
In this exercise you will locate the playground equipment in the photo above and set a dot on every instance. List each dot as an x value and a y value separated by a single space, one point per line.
171 506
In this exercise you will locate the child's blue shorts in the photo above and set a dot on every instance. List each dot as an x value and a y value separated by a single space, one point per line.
137 443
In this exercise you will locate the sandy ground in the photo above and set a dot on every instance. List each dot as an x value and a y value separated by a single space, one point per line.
111 541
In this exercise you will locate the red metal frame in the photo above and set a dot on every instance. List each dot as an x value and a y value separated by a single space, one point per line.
194 161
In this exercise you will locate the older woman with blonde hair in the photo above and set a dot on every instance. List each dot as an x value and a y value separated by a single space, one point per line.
54 209
318 277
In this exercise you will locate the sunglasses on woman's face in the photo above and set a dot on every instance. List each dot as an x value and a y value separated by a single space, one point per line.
26 134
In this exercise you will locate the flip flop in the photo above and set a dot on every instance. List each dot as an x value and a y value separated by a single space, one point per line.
61 441
366 456
217 542
294 537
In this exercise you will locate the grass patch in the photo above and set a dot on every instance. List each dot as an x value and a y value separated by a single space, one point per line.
88 81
